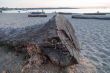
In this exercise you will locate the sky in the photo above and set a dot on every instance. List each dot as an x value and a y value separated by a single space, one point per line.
53 3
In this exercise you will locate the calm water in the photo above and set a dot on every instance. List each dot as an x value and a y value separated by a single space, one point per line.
61 10
94 37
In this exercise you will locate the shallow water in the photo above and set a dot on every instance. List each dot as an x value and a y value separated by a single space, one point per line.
94 37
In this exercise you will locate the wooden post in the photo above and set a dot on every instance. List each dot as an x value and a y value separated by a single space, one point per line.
0 10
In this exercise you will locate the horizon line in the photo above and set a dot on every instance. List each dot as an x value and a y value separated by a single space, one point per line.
59 7
101 6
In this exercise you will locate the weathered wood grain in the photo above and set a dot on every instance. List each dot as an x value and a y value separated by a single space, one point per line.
67 36
56 39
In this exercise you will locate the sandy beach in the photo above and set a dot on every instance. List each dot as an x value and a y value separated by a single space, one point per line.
94 37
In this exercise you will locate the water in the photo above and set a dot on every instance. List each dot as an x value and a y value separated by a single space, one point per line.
94 37
62 10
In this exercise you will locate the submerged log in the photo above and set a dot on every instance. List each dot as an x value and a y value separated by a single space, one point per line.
56 39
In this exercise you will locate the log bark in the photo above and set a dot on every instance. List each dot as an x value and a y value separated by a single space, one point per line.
56 39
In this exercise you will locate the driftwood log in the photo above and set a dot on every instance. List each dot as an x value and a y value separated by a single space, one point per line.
56 39
99 16
37 15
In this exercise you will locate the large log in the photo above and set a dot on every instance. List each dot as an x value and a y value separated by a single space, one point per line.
56 39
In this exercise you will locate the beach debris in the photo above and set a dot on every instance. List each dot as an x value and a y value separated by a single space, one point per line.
37 14
56 39
0 10
99 16
95 13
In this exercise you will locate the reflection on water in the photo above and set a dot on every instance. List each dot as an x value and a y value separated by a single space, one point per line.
94 37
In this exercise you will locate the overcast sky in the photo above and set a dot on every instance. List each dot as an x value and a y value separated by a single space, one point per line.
54 3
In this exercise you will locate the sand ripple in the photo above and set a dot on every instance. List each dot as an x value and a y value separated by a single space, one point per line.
94 37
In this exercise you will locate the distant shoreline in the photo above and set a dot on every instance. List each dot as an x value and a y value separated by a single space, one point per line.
35 8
